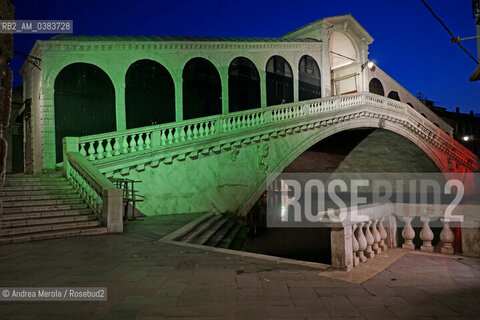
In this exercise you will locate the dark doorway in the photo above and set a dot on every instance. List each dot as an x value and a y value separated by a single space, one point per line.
375 86
149 94
279 81
308 79
84 103
394 95
243 85
202 89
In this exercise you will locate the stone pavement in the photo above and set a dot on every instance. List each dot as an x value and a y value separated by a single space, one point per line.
150 279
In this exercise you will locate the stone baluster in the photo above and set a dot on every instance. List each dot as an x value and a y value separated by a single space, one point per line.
116 147
176 134
148 142
362 242
426 235
125 145
376 238
140 142
408 234
91 151
82 149
355 247
100 149
170 136
195 131
369 252
133 143
447 237
383 235
108 149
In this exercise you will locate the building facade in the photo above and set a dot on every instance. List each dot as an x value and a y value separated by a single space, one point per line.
89 85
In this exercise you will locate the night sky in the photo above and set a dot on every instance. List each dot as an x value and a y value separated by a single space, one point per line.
410 44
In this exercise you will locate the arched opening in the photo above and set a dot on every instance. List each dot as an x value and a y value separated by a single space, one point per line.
84 103
279 81
202 89
363 153
375 86
411 105
308 79
394 95
149 94
343 62
243 85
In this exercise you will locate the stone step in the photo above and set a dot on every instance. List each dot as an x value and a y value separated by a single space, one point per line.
205 236
185 230
220 234
36 187
38 203
44 214
4 194
197 232
48 227
228 239
36 183
36 197
53 235
41 177
47 220
45 208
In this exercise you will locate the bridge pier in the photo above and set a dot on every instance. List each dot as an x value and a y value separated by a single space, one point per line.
342 249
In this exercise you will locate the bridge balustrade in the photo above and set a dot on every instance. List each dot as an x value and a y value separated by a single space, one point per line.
138 140
353 243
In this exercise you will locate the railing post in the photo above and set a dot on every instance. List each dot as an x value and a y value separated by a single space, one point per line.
391 240
341 245
156 139
113 210
70 144
219 125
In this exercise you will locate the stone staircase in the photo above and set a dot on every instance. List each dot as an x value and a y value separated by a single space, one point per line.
212 230
39 207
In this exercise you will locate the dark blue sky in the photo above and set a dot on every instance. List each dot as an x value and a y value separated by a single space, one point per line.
409 43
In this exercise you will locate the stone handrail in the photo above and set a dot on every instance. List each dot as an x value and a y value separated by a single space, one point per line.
101 195
112 144
142 140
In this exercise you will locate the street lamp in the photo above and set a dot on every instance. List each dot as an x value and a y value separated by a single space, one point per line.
465 138
368 64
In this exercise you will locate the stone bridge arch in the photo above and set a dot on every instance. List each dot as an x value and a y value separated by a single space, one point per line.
442 163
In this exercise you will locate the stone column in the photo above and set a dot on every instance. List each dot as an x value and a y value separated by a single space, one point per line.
341 245
426 235
376 238
447 237
383 235
263 88
408 234
224 82
369 252
178 80
120 111
362 242
295 83
355 245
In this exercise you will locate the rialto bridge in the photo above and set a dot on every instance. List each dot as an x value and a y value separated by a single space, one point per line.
203 121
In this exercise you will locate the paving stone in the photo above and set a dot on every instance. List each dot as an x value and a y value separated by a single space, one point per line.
151 280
